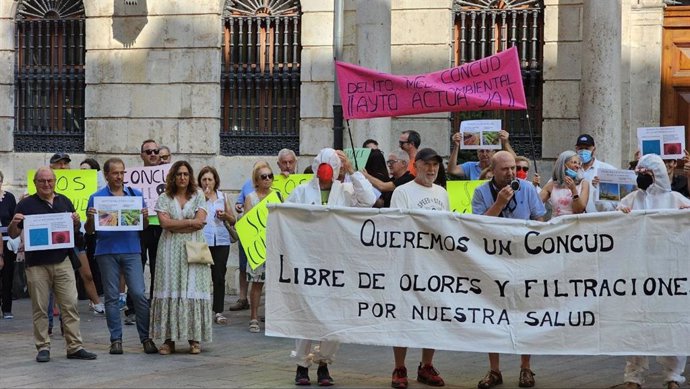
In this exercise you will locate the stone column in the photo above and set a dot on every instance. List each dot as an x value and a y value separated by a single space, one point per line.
600 97
373 51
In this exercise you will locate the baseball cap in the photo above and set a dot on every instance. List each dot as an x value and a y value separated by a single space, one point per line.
59 157
427 154
584 140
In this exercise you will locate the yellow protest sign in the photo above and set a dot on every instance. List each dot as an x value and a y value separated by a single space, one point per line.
460 193
252 231
285 185
76 184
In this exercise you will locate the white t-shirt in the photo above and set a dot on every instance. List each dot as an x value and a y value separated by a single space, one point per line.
415 196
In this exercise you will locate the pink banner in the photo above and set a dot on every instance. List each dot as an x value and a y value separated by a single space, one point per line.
491 83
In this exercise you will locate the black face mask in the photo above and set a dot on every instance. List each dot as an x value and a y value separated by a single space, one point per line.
644 181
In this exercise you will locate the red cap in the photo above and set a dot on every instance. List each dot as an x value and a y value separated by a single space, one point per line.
325 172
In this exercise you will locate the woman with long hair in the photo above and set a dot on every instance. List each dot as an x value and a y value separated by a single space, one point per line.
181 307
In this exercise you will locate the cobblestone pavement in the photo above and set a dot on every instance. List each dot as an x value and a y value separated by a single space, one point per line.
239 359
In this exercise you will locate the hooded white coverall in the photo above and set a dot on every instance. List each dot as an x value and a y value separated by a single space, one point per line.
657 196
357 193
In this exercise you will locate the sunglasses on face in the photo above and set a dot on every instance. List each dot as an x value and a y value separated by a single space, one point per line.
266 176
151 151
403 142
165 156
523 168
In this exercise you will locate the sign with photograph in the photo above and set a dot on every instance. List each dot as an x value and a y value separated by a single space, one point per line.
48 231
480 134
118 213
615 184
666 142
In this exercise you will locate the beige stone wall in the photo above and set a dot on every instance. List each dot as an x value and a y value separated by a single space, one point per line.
562 73
421 42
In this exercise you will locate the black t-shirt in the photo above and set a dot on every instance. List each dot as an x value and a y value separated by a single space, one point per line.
680 185
7 206
34 205
404 179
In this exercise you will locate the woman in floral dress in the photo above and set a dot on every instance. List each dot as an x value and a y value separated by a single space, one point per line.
181 308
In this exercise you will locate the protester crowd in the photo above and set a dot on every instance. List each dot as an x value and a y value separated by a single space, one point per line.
186 298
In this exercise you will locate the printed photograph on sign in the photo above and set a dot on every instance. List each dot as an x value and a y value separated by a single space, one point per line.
480 134
666 142
614 184
119 213
48 231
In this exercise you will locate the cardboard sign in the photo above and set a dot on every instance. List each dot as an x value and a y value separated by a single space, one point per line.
76 184
361 155
252 231
460 194
150 180
48 231
285 185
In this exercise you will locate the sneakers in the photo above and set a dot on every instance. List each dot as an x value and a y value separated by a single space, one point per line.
428 375
302 376
323 376
491 379
399 379
526 378
97 308
130 319
220 319
240 305
167 348
116 347
254 326
122 301
43 356
7 315
149 346
82 354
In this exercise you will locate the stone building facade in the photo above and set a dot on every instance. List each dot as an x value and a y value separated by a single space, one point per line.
153 70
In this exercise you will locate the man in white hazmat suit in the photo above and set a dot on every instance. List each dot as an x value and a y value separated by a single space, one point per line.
325 189
654 192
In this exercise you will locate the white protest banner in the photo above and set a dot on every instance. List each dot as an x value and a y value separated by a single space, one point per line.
118 213
150 180
666 142
480 134
48 231
605 283
614 184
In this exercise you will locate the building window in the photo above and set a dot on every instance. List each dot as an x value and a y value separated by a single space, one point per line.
485 27
49 76
260 77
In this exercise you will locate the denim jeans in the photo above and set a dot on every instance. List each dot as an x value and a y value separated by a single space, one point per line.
130 264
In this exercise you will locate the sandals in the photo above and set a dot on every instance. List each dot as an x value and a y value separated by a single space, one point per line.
220 319
491 379
194 347
526 378
167 348
254 326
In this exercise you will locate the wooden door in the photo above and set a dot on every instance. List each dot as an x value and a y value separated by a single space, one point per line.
675 69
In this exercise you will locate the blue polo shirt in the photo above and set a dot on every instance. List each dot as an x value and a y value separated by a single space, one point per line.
117 242
472 169
527 204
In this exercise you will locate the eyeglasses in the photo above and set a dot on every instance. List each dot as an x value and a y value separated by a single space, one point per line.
151 151
402 142
165 156
182 174
44 181
392 161
266 176
523 168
